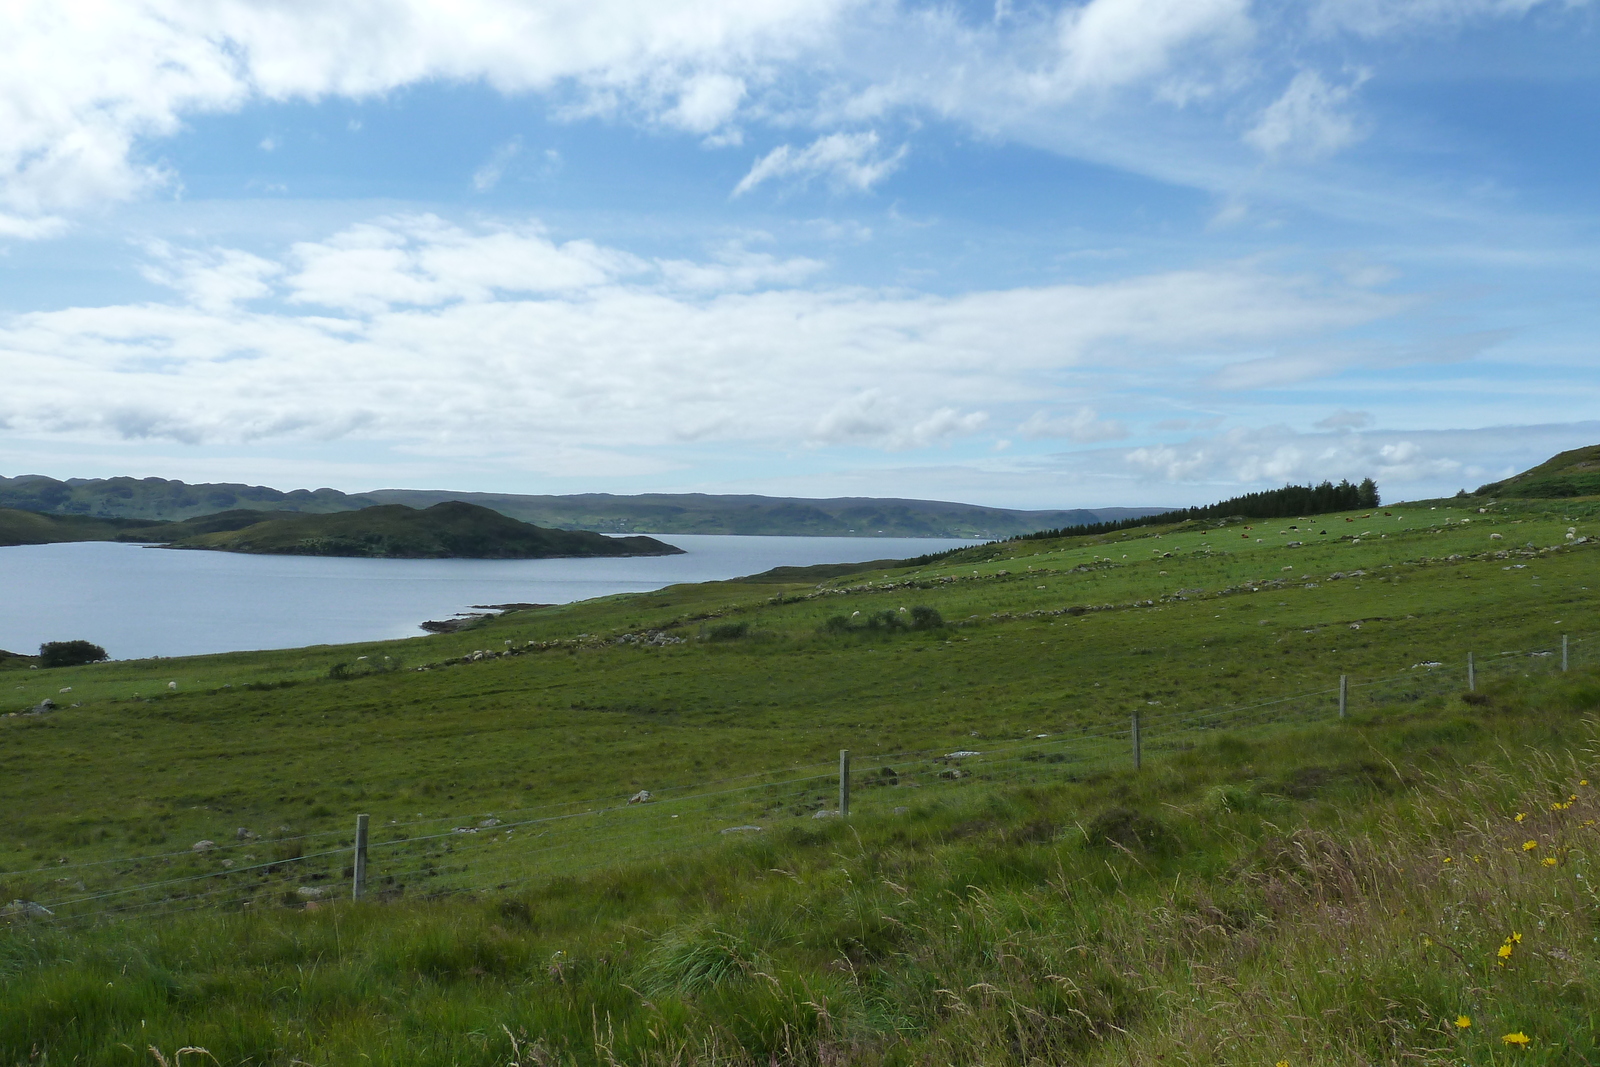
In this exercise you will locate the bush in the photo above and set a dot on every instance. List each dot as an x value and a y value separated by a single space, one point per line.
921 617
728 631
69 653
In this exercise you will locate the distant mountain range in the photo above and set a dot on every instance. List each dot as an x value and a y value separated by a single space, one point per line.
653 513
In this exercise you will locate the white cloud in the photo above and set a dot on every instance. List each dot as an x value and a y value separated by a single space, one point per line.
82 84
1108 44
848 160
499 340
488 176
707 101
1306 364
735 268
1082 426
422 260
1309 120
1379 17
1345 420
214 280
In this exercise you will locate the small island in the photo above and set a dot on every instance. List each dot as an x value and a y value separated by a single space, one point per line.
450 530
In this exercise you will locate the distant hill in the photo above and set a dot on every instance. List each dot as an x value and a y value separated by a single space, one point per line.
451 530
162 499
703 513
18 527
1572 473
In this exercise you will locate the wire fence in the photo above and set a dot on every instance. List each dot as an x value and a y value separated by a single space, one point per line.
444 855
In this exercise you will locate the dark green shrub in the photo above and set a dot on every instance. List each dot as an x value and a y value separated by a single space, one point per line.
926 618
729 631
69 653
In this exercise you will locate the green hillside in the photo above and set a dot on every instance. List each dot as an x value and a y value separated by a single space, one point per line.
1275 884
1568 474
161 498
31 528
393 531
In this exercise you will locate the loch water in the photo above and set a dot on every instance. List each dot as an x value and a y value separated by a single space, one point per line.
138 601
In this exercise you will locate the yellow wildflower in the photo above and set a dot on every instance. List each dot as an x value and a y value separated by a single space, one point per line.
1583 781
1521 815
1463 1022
1529 846
1514 939
1447 859
1570 798
1588 822
1518 1038
1504 951
1281 1063
1549 861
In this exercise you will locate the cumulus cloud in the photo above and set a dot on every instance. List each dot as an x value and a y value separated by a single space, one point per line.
81 85
422 260
212 279
707 101
1111 43
1310 120
499 339
848 160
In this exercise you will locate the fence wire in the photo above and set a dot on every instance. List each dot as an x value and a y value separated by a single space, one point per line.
441 856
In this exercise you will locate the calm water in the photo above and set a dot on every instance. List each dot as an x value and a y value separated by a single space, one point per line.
138 601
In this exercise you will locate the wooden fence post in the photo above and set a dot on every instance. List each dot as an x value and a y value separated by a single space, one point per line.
1472 675
1138 755
844 783
358 883
1344 694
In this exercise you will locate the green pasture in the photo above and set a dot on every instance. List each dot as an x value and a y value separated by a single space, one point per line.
162 753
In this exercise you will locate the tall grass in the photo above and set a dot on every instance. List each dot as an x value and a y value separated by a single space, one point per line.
1331 894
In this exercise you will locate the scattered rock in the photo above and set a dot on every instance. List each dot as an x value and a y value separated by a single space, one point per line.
172 685
825 814
312 892
490 821
65 689
963 754
244 833
26 909
203 846
899 811
641 797
740 830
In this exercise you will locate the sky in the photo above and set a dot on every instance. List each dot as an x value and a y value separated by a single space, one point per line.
1023 254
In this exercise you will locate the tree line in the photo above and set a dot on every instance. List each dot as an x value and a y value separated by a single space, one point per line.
1292 501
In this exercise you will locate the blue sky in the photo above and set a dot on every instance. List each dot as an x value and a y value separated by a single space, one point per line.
1025 254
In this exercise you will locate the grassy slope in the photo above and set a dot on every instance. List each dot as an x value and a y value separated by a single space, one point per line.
1574 473
929 937
394 531
32 528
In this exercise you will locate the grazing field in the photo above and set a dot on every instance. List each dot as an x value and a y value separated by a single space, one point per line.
1036 901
